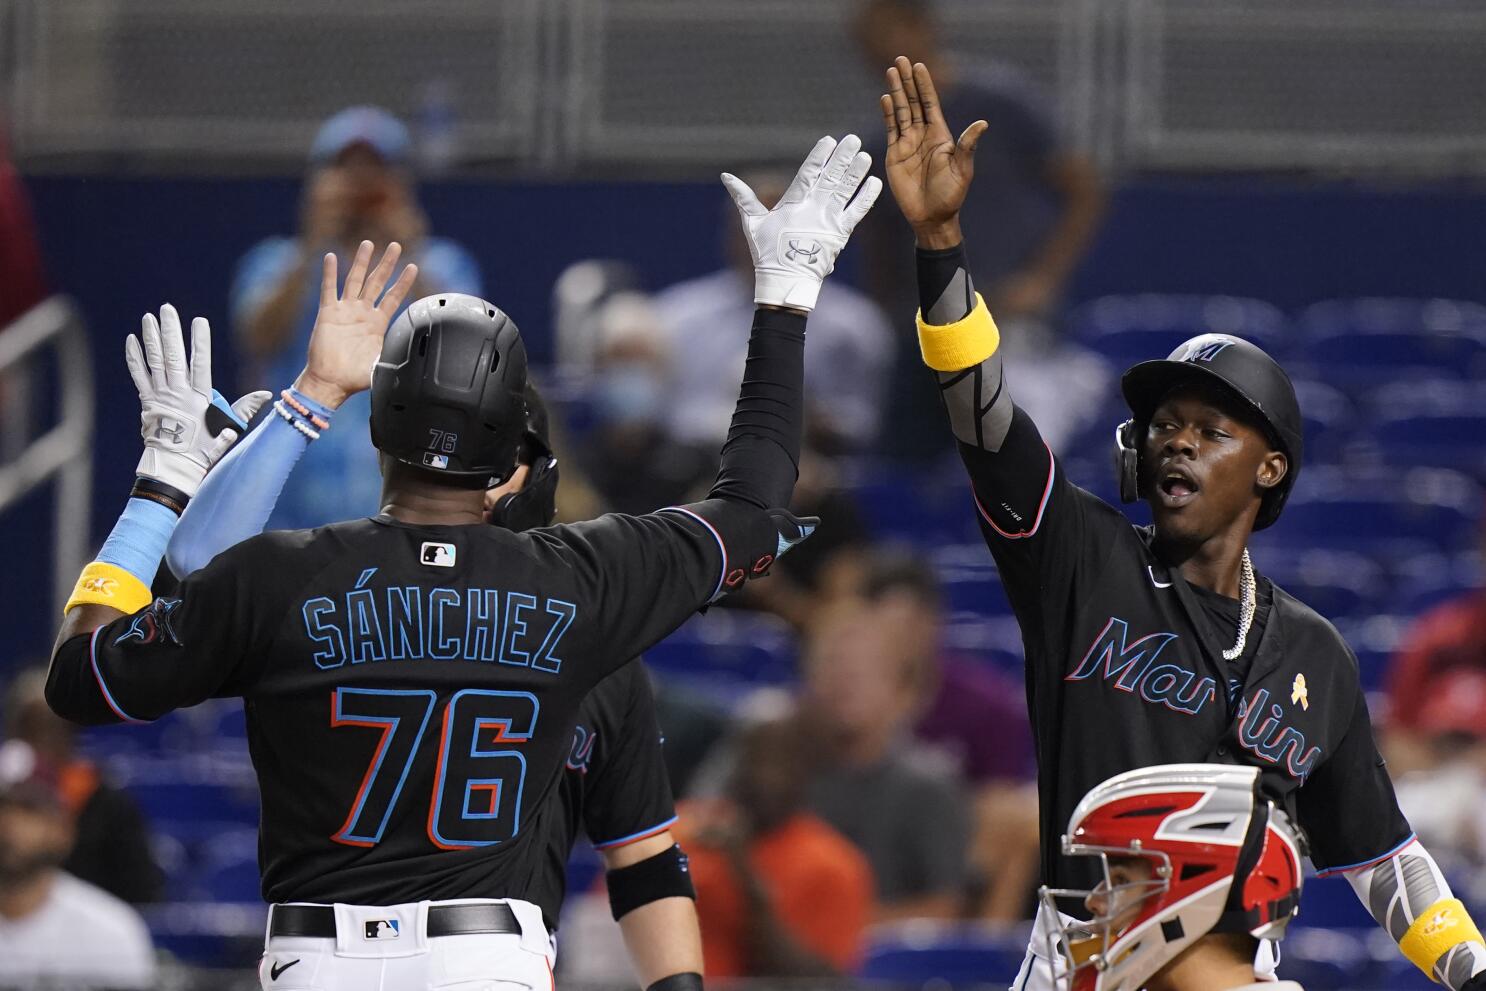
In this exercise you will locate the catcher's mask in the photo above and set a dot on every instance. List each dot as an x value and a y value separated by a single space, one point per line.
1185 850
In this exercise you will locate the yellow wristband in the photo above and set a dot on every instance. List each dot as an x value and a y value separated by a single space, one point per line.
952 346
109 585
1442 926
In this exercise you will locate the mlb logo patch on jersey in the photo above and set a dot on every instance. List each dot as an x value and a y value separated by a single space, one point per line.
431 460
437 555
382 929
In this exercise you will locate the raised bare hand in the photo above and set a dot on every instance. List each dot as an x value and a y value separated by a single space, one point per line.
351 324
928 170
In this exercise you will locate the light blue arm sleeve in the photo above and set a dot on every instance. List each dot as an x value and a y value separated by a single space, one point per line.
237 496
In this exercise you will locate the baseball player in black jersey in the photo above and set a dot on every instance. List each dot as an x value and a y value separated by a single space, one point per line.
615 788
411 681
1163 644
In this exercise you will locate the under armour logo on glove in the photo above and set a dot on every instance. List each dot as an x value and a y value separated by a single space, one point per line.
187 426
797 251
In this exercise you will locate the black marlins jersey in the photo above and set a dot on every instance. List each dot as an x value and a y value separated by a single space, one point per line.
615 789
411 691
1125 669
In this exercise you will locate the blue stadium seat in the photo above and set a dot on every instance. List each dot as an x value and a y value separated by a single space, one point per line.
1329 420
1321 958
1127 329
235 880
216 934
1446 396
1329 902
1359 344
968 580
1334 583
1445 440
192 788
925 510
731 646
956 955
1385 514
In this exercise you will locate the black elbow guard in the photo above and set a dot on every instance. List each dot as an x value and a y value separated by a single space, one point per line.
689 981
665 875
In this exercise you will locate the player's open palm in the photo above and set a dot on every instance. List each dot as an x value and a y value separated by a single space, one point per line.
351 324
928 170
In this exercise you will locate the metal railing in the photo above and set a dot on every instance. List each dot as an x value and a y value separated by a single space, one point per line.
64 452
667 85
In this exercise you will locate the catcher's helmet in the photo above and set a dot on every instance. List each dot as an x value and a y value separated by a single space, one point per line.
1204 853
1241 368
448 390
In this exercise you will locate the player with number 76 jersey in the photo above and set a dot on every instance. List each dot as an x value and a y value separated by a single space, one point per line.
411 680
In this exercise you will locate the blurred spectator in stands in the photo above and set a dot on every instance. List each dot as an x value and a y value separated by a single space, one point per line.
1444 795
1450 637
826 567
779 892
55 930
359 187
629 456
110 838
692 725
978 715
708 319
1036 203
903 806
22 282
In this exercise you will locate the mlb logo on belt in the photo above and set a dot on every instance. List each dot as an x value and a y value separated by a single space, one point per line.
432 460
437 555
382 929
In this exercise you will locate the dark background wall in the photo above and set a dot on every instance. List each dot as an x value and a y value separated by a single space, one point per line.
122 246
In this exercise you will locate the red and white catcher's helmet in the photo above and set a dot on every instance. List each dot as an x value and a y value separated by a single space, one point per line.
1186 849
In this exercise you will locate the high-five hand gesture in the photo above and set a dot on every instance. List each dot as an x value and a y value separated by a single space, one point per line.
350 325
186 424
928 170
795 244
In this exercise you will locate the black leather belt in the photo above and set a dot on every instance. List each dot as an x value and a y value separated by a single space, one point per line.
443 920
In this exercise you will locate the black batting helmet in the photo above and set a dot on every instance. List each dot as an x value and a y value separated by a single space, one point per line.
1241 368
448 390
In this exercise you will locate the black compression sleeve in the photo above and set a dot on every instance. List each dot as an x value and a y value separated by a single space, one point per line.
760 459
945 292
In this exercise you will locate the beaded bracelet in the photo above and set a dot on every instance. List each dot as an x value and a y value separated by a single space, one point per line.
289 397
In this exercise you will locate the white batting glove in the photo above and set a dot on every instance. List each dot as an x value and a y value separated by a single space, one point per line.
795 245
181 440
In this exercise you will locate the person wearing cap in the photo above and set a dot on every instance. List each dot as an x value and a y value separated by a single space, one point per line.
111 834
1161 644
55 930
359 187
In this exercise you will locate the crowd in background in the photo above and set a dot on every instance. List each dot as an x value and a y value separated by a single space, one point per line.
893 778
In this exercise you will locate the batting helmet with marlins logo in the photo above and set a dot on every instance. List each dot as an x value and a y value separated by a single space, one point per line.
1240 368
448 391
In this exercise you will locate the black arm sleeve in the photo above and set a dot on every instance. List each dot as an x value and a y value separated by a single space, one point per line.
945 290
761 456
